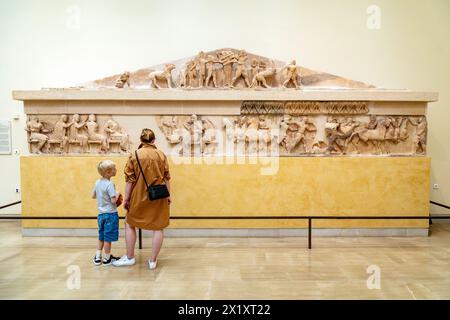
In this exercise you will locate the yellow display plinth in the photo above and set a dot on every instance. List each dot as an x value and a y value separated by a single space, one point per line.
299 186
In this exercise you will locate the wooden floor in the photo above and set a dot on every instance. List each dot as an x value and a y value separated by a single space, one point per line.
229 268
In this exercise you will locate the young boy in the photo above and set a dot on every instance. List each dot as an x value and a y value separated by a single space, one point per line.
108 219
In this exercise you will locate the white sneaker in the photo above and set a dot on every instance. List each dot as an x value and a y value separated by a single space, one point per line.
152 264
124 261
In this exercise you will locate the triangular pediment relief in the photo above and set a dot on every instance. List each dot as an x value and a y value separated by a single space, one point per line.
226 68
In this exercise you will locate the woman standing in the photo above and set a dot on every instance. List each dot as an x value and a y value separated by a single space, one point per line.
141 212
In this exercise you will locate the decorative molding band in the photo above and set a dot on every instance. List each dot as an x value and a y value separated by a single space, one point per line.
304 107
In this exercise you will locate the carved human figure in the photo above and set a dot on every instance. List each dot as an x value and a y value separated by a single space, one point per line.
373 122
194 129
37 133
333 135
93 128
60 132
209 141
169 126
201 61
115 133
241 70
162 75
189 73
226 59
400 129
123 80
403 130
295 134
211 73
254 68
420 136
80 135
291 75
347 127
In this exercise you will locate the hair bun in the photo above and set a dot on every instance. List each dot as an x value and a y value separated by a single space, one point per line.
147 135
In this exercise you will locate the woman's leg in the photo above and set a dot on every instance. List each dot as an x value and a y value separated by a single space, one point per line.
130 240
158 237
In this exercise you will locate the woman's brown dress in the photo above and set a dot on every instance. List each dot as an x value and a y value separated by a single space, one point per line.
143 213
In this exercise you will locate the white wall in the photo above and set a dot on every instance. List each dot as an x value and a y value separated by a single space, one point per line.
42 46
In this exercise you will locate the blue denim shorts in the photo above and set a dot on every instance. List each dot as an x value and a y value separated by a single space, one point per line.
108 227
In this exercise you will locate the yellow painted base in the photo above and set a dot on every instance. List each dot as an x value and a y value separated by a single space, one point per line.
295 186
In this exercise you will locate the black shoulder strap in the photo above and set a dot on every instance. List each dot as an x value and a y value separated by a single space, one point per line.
139 164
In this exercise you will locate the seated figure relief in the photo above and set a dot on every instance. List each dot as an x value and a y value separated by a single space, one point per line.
78 135
37 133
117 134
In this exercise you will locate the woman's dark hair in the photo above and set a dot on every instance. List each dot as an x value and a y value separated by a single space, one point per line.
147 136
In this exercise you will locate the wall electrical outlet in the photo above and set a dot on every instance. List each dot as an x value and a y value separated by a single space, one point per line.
436 186
17 189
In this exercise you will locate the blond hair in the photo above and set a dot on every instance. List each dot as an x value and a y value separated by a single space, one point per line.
104 166
147 135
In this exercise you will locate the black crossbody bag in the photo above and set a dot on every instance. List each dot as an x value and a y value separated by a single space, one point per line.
157 191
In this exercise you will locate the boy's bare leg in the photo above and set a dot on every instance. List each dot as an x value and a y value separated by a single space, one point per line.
157 241
107 247
130 238
100 245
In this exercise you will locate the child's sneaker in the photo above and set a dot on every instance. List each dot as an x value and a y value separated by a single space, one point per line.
97 261
107 262
124 261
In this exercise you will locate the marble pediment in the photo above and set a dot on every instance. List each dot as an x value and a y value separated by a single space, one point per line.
308 78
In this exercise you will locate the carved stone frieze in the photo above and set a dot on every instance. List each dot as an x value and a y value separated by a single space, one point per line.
76 134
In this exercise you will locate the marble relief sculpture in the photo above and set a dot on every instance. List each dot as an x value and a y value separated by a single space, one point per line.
223 69
60 132
241 70
294 133
165 76
291 134
192 135
79 135
76 136
291 75
116 134
37 133
123 80
420 136
211 71
94 136
260 78
227 58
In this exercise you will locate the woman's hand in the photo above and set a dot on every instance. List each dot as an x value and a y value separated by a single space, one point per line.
126 204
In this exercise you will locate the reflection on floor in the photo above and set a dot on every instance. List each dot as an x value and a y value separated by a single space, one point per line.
229 268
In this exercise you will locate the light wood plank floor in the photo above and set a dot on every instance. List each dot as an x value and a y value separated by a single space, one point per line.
229 268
